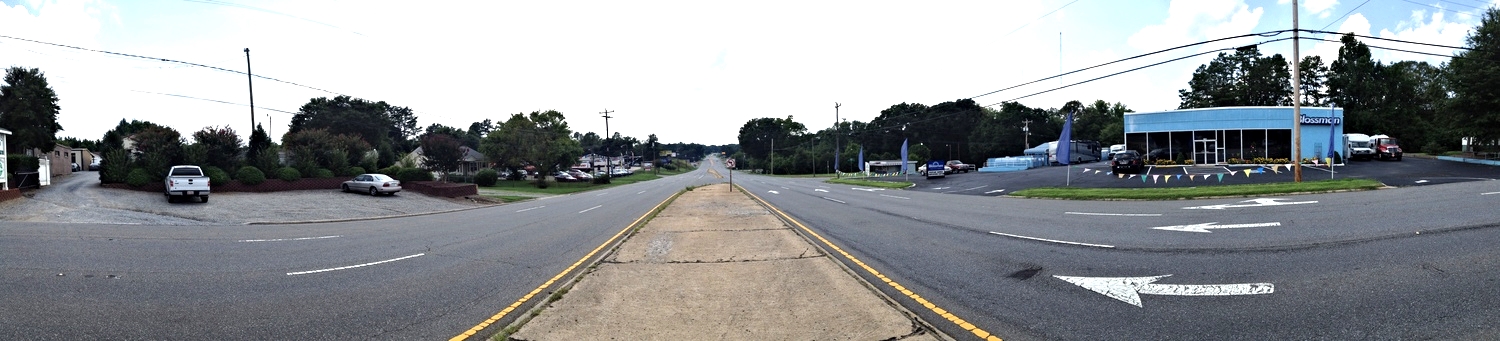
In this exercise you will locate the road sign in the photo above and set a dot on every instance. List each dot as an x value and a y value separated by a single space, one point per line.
729 163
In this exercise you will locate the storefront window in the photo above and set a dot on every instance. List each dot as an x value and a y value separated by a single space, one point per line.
1254 144
1182 146
1232 145
1279 143
1158 147
1137 142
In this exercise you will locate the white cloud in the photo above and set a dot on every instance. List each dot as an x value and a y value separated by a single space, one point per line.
1433 29
1193 20
1319 7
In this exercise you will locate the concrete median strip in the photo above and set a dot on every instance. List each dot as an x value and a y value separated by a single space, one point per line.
717 265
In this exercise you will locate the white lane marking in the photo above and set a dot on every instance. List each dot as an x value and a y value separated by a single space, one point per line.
640 192
784 187
530 209
1256 203
1052 240
285 239
591 208
1421 181
820 190
970 189
995 191
867 189
1489 193
601 194
835 200
1118 214
1205 227
892 196
774 192
1128 289
352 266
940 188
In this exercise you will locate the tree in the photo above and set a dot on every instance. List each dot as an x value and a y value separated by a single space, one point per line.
157 148
1240 79
28 108
221 146
1354 84
259 141
757 135
403 127
442 153
540 139
370 122
1475 81
1314 77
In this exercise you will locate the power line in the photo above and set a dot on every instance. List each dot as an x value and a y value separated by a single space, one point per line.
1346 14
253 8
1038 18
1263 34
169 61
211 100
1399 40
1138 68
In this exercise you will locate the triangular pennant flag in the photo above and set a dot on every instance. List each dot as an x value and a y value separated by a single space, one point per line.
1153 177
1247 173
1261 170
1221 177
1179 177
1143 179
1121 175
1167 178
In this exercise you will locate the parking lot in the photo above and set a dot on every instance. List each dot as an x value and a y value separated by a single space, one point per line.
1411 171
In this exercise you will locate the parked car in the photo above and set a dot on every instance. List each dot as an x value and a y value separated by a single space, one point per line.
580 175
375 184
561 176
618 172
1128 161
186 182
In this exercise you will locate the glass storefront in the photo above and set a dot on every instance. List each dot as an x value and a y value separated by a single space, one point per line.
1212 146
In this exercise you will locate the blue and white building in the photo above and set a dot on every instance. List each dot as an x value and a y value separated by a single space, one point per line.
1219 135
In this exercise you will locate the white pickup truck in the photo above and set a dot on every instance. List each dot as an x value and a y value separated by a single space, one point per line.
186 182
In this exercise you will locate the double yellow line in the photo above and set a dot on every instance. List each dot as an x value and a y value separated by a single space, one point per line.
961 323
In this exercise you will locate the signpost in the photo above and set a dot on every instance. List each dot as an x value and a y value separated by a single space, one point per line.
729 164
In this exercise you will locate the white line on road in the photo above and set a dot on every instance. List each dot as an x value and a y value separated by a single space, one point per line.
970 189
774 192
995 191
286 239
1118 214
530 209
1489 193
591 208
892 196
1051 240
352 266
835 200
820 190
1421 181
640 192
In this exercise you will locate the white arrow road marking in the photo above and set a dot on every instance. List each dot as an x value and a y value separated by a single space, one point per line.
591 208
1205 227
1052 240
820 190
352 266
640 192
1421 181
530 209
774 192
1128 289
285 239
995 191
835 200
1118 214
867 189
1256 203
892 196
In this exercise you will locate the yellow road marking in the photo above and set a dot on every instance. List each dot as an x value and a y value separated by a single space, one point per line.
513 306
965 325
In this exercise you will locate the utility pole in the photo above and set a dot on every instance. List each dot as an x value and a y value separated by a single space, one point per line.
250 79
772 169
269 125
1296 101
835 141
609 170
1026 134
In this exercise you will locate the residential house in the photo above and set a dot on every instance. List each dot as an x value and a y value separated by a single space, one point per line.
471 163
82 157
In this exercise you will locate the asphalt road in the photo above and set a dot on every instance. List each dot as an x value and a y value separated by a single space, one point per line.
1411 171
1414 262
422 277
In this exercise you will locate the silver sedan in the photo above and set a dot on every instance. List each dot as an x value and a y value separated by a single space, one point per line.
375 184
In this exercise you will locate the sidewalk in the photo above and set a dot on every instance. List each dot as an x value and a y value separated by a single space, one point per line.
717 266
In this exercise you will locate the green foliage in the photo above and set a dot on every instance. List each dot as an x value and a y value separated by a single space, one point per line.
216 176
441 153
352 171
288 174
392 171
250 176
322 173
19 163
1244 78
138 177
413 174
486 177
114 167
311 149
259 141
157 148
28 108
1434 148
370 122
540 139
267 160
221 145
195 154
1474 78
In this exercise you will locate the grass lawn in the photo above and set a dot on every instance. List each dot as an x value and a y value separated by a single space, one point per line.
556 188
870 183
1197 192
510 198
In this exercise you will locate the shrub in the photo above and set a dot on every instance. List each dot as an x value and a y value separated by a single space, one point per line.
250 175
352 171
216 176
114 167
413 174
392 171
322 173
138 177
1434 148
486 177
288 174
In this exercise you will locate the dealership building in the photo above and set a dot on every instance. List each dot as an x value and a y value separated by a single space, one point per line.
1219 135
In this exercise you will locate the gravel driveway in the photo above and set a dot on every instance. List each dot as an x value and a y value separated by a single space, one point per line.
78 198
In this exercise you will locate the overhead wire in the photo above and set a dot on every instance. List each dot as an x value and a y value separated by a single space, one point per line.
253 8
1346 14
212 100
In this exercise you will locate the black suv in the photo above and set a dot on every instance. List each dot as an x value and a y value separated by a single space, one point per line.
1128 161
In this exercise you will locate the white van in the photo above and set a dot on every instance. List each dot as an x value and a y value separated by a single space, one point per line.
1357 146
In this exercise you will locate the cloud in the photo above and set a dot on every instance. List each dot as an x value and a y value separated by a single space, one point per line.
1319 7
1193 20
1432 29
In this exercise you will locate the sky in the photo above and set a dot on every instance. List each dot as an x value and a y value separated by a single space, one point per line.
687 71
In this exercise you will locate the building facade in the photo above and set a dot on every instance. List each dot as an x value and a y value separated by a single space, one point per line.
1231 135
